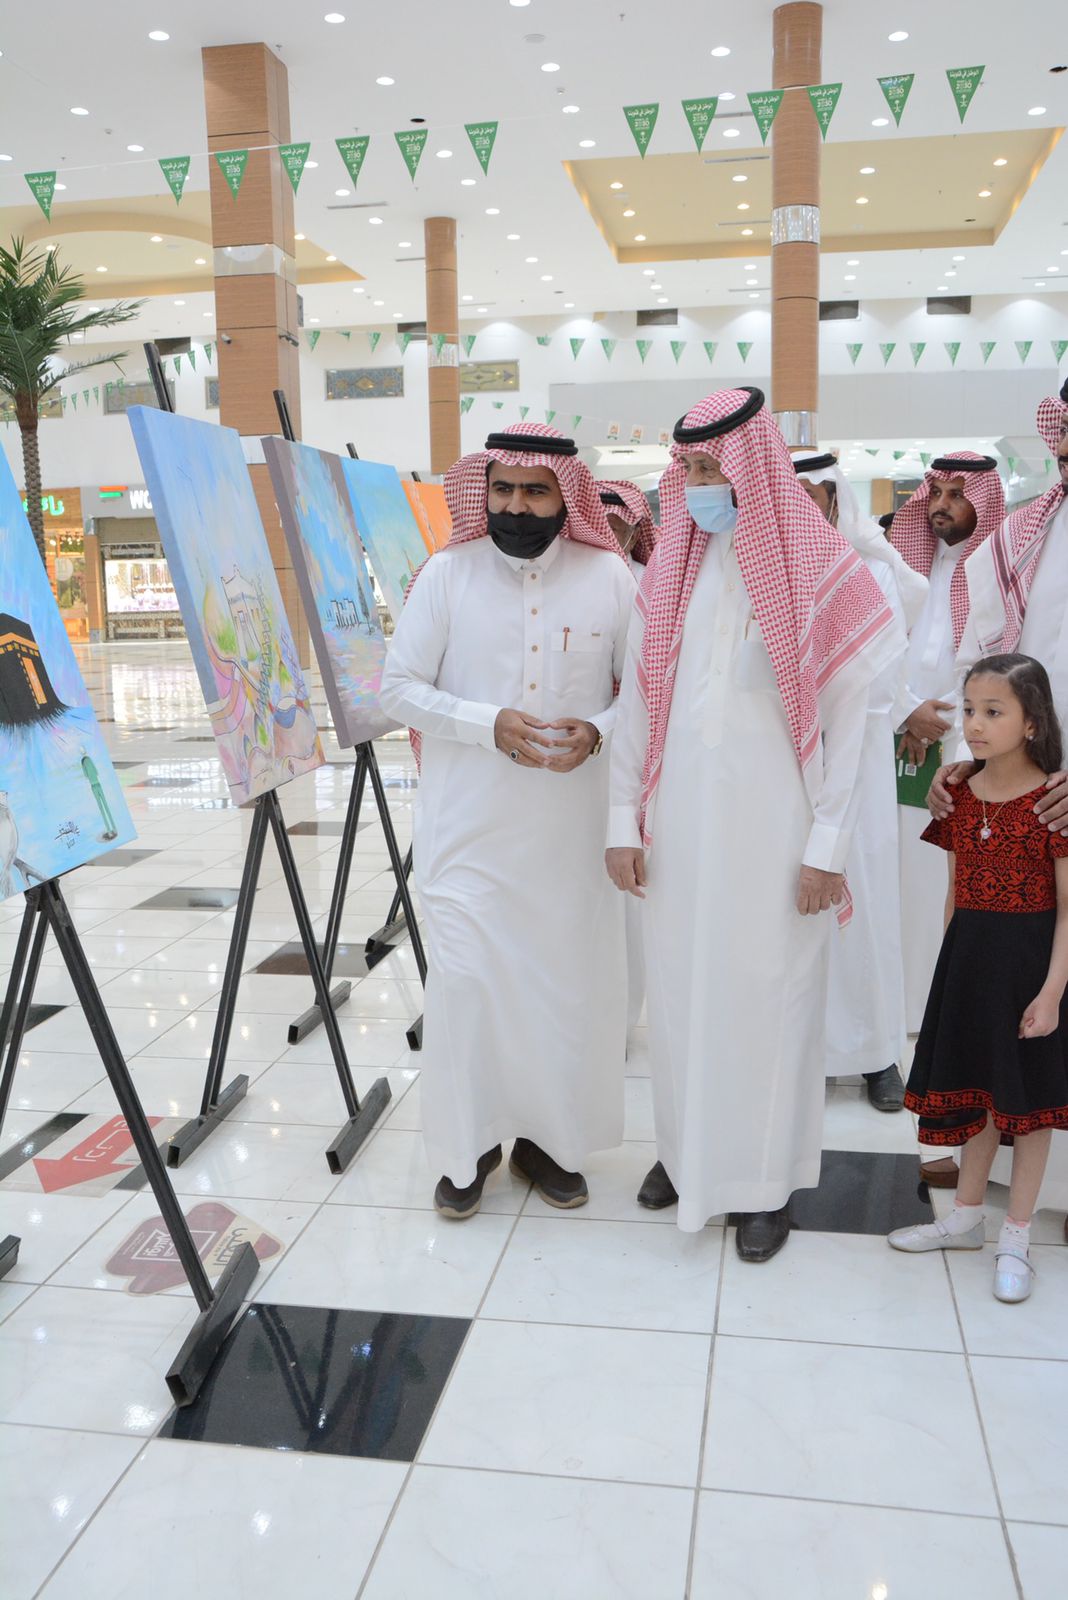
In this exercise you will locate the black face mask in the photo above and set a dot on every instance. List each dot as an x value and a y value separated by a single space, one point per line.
524 536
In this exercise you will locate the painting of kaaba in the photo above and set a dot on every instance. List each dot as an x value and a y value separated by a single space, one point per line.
335 584
61 803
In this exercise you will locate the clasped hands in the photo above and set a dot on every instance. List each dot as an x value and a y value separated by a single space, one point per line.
521 738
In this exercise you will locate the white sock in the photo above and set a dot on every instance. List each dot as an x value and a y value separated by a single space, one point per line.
961 1218
1014 1240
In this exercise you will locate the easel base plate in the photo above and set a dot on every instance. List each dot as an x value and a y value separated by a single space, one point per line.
414 1034
359 1128
193 1134
194 1360
311 1019
9 1253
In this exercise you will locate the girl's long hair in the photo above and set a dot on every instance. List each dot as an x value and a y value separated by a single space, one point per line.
1029 682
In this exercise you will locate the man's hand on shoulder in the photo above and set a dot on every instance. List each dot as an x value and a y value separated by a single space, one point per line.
945 780
1053 806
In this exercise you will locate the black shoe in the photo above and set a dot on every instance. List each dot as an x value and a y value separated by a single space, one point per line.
559 1188
462 1203
761 1234
886 1092
657 1191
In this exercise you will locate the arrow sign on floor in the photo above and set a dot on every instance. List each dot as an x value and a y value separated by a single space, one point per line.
99 1156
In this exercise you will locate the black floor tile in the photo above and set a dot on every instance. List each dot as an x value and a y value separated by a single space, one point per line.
861 1191
122 858
124 766
348 1383
40 1013
290 962
326 830
202 899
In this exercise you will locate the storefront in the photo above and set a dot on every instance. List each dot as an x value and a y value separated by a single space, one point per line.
136 595
64 536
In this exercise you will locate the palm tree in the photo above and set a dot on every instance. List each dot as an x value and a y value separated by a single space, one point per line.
38 316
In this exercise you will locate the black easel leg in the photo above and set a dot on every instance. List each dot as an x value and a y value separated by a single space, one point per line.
309 1020
216 1105
219 1307
21 984
361 1118
381 942
415 1031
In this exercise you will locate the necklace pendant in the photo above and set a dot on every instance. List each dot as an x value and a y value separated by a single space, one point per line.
984 833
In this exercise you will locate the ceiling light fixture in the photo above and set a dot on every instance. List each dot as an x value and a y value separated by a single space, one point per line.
101 269
743 205
518 3
531 261
310 319
300 236
648 272
754 295
854 261
587 144
750 266
200 261
1037 111
398 314
493 211
866 172
943 288
135 149
662 300
899 37
746 232
374 222
571 111
6 158
342 194
404 244
750 283
720 50
512 236
331 258
179 302
731 133
155 238
79 111
158 36
310 164
334 17
443 155
862 199
984 194
550 66
1040 283
630 212
639 238
616 185
950 272
569 305
386 83
468 183
359 289
481 311
378 302
958 258
726 95
656 286
546 277
1000 161
467 297
850 277
880 122
739 177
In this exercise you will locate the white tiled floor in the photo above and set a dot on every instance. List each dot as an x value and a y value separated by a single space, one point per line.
634 1412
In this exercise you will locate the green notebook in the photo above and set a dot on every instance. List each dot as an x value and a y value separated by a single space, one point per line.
914 782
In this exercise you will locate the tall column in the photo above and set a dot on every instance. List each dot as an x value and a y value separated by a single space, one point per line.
246 99
795 223
443 341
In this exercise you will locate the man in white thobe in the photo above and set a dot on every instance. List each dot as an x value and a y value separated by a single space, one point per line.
504 662
741 722
866 983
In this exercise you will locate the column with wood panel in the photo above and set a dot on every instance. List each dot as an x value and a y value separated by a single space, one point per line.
246 99
443 341
795 223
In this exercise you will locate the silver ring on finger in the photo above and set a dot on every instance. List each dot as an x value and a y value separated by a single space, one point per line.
925 743
514 754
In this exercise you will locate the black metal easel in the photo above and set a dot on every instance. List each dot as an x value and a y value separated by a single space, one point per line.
46 909
401 916
218 1102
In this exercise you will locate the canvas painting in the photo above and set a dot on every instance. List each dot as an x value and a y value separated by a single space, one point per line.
430 510
61 804
387 527
221 568
335 584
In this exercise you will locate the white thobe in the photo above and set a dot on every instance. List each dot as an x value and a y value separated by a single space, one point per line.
736 1003
866 982
930 674
525 1009
635 941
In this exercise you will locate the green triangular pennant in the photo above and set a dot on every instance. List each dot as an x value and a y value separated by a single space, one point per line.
313 337
765 108
711 347
641 121
466 402
482 136
193 359
896 91
1049 464
352 152
917 351
964 81
899 455
177 366
953 351
63 401
576 346
824 97
232 164
1014 462
498 405
677 347
549 415
293 158
925 459
372 339
176 170
74 401
1059 347
96 395
699 114
404 340
744 347
854 352
468 342
608 345
209 351
575 422
644 347
43 186
545 339
85 397
1023 349
988 347
412 143
523 413
345 333
440 341
887 350
868 452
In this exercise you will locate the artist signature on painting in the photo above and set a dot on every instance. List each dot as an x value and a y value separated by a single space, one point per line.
68 833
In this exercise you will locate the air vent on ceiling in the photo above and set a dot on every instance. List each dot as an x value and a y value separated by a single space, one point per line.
839 310
400 260
668 318
360 205
949 305
415 330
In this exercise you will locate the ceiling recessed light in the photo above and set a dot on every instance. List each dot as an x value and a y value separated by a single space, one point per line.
550 66
569 305
754 295
310 319
158 36
746 232
79 111
750 283
880 122
331 258
378 302
587 144
571 111
179 302
299 236
739 177
720 50
387 83
726 95
101 269
404 244
481 310
546 277
899 37
467 297
60 186
1053 269
662 300
616 185
493 211
333 16
850 277
1040 283
862 199
648 272
531 261
866 172
950 272
518 3
984 194
731 133
468 183
310 164
630 212
639 238
743 205
359 289
200 261
155 238
750 266
1036 111
512 236
374 222
854 261
958 258
135 149
443 155
342 194
6 158
92 309
943 288
1000 161
207 313
398 314
656 286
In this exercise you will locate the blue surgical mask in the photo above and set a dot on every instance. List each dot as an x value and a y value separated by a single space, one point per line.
711 507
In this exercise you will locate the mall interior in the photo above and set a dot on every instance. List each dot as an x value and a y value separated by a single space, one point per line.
246 1347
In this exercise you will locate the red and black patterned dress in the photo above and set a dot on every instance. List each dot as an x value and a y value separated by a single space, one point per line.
994 960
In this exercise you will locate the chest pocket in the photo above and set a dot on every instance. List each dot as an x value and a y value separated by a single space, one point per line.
753 670
579 667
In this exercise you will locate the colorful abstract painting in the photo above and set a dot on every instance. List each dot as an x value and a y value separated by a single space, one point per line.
430 510
60 800
220 564
387 527
335 584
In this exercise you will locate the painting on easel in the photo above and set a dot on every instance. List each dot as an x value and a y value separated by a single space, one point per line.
220 563
387 527
61 803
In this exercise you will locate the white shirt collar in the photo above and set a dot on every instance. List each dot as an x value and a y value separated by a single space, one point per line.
540 563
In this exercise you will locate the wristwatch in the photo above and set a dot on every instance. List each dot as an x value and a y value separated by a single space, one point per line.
599 745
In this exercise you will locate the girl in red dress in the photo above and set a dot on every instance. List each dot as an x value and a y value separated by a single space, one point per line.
992 1055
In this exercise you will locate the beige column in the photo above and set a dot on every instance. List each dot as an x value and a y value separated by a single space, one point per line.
795 223
443 351
246 99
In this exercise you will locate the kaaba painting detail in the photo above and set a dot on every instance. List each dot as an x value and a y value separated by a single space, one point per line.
60 800
221 567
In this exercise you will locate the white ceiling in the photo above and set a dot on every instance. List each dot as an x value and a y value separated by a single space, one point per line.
455 62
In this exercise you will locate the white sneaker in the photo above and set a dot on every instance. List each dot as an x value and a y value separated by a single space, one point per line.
1013 1276
936 1236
